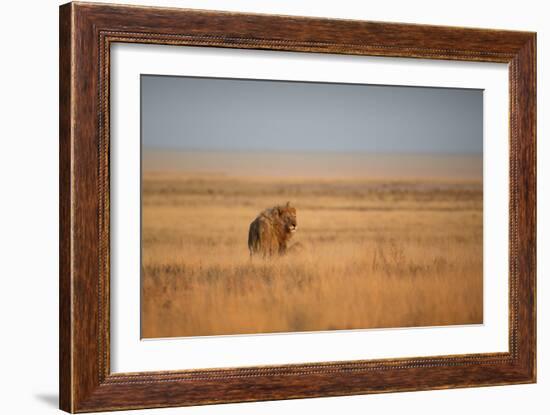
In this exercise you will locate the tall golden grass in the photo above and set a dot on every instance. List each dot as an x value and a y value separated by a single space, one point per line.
391 253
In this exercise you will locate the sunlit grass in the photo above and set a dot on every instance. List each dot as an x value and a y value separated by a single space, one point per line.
377 254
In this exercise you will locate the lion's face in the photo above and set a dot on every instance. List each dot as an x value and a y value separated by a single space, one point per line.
288 217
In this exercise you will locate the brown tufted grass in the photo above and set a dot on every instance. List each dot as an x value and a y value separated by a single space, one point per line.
376 254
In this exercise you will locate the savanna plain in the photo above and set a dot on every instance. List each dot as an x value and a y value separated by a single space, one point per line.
394 242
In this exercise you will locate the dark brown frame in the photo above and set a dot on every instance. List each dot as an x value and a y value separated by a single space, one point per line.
86 33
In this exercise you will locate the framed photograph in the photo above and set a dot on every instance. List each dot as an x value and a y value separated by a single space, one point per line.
258 207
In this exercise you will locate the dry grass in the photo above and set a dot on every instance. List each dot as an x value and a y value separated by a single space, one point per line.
378 254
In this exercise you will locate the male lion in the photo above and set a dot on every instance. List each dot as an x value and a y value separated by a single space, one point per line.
271 230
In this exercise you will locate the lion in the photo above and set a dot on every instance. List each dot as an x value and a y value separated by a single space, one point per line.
270 232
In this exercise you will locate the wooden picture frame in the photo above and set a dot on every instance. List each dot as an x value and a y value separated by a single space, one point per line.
86 33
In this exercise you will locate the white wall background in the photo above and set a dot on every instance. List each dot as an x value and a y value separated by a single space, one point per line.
29 205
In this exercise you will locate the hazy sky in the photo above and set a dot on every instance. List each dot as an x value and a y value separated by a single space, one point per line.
253 115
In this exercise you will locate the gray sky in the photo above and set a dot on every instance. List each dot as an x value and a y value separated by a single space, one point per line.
255 115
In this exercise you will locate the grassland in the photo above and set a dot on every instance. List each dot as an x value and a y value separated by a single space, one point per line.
378 253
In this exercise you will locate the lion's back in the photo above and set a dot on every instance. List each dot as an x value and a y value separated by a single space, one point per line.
262 237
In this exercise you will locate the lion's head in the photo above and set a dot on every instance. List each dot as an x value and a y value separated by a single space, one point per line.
287 215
